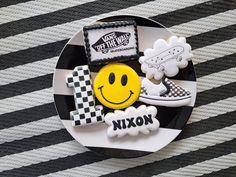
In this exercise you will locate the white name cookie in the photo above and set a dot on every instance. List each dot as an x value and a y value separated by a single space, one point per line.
132 121
166 57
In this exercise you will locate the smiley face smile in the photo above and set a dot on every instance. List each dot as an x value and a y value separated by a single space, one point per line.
131 93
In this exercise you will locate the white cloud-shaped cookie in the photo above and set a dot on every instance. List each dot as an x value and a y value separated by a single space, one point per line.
132 121
166 57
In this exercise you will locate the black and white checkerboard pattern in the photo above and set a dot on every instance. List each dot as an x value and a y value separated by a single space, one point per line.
86 112
175 90
143 91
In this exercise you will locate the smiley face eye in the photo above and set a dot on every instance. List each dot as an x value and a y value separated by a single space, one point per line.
111 78
124 79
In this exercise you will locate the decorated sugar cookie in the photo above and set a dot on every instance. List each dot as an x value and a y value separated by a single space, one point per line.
86 112
166 57
111 41
117 86
167 93
132 121
125 86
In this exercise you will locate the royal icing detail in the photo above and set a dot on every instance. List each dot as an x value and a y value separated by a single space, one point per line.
111 42
167 93
166 57
86 112
132 121
117 86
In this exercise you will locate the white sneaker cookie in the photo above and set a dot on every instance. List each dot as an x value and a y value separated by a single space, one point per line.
167 93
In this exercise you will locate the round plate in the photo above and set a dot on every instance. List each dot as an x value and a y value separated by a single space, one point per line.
172 119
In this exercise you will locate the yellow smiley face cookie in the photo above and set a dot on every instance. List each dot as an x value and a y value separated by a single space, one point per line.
117 86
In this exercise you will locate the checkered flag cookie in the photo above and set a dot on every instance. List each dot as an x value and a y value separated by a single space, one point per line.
86 112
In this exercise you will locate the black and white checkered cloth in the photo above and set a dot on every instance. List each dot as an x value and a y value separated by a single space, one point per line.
86 112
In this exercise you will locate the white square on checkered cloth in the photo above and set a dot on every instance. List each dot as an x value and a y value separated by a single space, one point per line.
86 112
